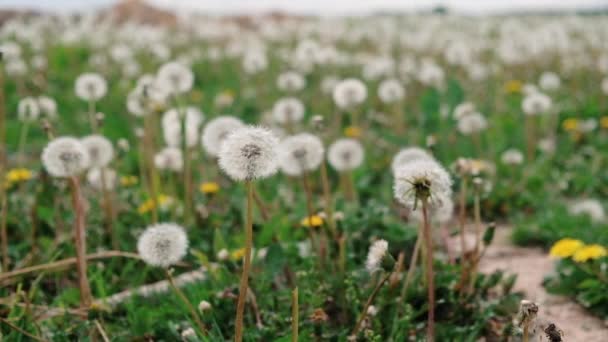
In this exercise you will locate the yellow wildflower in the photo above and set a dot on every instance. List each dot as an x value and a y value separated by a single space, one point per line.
352 131
565 248
590 252
604 122
313 221
570 125
209 188
18 175
238 254
513 86
128 180
163 202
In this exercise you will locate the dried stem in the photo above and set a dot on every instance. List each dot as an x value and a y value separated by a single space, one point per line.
294 315
21 331
238 326
369 302
412 267
329 205
186 301
429 271
80 238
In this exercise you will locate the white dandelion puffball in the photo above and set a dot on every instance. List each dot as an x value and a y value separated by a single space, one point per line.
349 93
48 106
536 104
169 158
463 110
91 86
328 83
100 150
549 81
172 126
472 123
391 91
407 155
376 253
422 176
163 244
216 131
288 110
512 156
65 157
590 207
249 153
441 213
345 154
175 78
28 109
107 181
291 81
300 153
255 61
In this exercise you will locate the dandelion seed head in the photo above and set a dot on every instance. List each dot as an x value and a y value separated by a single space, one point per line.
345 154
65 157
300 153
216 131
288 110
100 150
94 178
408 155
48 106
590 207
169 158
249 153
349 93
163 244
28 109
376 253
175 78
391 91
536 103
512 156
422 178
91 86
472 123
291 81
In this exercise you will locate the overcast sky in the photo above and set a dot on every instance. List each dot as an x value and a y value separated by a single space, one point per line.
328 7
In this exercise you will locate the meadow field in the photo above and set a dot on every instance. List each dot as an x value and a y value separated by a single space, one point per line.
285 178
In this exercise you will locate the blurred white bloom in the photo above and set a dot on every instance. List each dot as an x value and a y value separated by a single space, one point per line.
28 109
472 123
255 61
512 156
204 306
169 158
529 89
549 81
188 333
349 93
216 131
328 83
39 62
372 310
223 254
422 177
91 87
441 213
536 104
376 253
431 74
123 144
300 153
345 154
65 157
100 150
288 110
94 177
15 67
162 245
591 207
291 81
463 109
390 91
407 155
10 50
48 106
547 145
249 153
172 126
175 78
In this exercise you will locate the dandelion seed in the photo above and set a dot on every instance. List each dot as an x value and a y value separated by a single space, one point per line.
345 154
249 153
100 150
300 153
216 131
91 87
65 157
162 245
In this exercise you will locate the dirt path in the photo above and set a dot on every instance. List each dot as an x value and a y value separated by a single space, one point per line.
531 265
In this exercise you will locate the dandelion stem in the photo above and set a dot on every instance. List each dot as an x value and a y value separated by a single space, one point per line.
329 205
369 302
186 301
3 233
240 309
80 237
92 116
294 315
429 271
22 140
413 262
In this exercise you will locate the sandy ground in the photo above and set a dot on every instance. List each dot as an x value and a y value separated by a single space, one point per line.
531 266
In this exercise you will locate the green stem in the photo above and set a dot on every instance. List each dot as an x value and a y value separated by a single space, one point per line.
238 326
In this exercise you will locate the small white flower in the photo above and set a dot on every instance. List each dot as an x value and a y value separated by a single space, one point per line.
472 123
223 254
291 81
300 153
376 253
48 106
288 110
408 155
216 131
65 157
255 61
349 93
591 207
463 110
188 333
512 156
391 91
345 154
549 81
175 78
172 126
91 87
536 104
422 178
100 150
204 306
249 153
28 109
94 177
169 158
163 244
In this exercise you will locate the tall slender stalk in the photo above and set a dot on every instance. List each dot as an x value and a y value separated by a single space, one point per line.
3 201
108 209
80 238
412 267
329 205
3 233
240 309
429 271
91 113
462 216
530 137
22 140
369 302
294 315
187 302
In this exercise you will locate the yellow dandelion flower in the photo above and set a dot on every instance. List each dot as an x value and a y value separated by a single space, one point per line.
163 202
209 188
352 132
565 248
238 254
18 175
128 180
604 122
570 125
513 86
590 252
313 221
